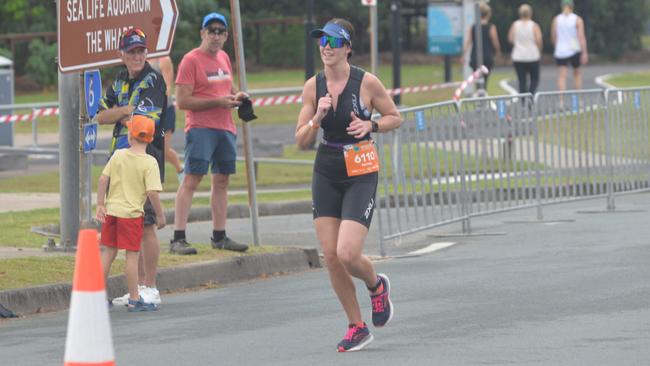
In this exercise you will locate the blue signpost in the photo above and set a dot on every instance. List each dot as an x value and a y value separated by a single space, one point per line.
93 90
90 137
92 94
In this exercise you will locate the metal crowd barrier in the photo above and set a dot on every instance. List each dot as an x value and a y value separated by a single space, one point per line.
629 141
451 161
420 181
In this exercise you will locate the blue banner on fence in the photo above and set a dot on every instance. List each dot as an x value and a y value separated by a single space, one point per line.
637 100
501 107
419 120
575 103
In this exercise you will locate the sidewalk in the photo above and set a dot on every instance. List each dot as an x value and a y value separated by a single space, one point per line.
32 201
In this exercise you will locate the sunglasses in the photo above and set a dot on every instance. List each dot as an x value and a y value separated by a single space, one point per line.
217 31
133 31
334 42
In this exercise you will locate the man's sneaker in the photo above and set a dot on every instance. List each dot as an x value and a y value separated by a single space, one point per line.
355 339
228 244
382 307
181 247
140 305
150 295
124 300
181 176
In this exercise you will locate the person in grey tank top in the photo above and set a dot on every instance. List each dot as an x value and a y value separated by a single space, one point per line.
568 37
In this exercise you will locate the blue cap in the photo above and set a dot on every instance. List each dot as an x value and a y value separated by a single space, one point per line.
212 17
333 30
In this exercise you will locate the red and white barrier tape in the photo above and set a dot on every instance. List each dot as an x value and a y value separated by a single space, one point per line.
470 80
291 99
257 102
29 116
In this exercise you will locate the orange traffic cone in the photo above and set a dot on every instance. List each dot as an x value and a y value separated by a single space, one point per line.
89 340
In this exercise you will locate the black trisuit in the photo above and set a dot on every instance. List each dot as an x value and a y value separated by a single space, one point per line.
334 194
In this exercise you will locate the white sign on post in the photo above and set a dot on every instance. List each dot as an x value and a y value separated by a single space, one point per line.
369 2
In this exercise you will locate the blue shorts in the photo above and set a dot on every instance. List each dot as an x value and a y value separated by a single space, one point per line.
205 146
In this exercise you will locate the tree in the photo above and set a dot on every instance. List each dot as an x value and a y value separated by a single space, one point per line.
24 16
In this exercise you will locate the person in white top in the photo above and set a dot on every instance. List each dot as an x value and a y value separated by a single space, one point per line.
568 36
526 37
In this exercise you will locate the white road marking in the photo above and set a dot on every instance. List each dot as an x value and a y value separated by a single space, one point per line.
432 248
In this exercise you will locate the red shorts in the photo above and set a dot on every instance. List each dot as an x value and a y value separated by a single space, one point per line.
122 233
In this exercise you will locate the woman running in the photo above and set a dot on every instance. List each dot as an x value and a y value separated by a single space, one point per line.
340 100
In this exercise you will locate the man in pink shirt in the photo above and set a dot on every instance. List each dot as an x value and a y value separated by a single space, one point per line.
204 89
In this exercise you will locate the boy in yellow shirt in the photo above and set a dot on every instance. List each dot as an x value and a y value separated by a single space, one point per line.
133 176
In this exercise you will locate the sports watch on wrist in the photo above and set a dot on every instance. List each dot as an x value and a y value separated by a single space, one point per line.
375 126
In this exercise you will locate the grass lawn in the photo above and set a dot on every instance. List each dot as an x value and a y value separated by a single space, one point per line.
631 80
34 271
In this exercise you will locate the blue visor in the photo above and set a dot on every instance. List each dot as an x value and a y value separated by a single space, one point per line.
332 30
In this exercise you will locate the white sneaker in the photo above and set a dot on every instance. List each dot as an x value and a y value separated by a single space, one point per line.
181 176
150 295
124 300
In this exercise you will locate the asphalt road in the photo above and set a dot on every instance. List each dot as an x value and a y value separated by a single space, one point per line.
567 292
548 75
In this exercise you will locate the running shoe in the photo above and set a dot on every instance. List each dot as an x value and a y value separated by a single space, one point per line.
124 299
150 295
228 244
382 307
355 339
181 247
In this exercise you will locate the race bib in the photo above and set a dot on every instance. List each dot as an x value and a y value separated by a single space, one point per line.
361 158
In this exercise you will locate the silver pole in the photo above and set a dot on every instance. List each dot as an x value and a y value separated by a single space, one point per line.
374 44
465 196
69 158
248 149
538 176
34 128
611 204
85 187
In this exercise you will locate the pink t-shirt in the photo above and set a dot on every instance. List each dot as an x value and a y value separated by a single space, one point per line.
210 76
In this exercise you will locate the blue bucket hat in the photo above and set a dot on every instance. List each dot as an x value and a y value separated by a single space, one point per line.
212 17
333 30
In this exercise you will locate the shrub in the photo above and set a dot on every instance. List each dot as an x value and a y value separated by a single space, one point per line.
41 65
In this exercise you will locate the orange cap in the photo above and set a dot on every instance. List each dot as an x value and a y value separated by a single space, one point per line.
141 127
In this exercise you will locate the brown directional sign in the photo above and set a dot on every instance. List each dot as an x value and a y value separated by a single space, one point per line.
89 30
